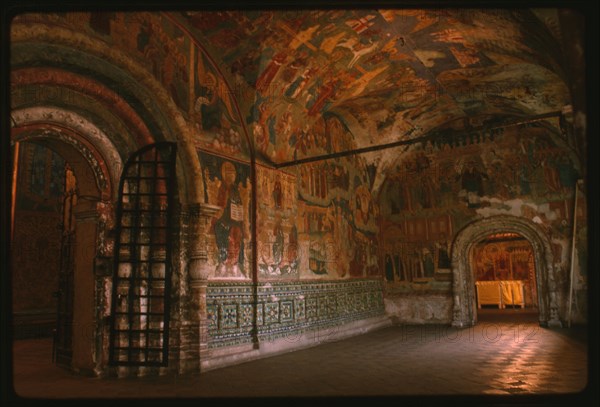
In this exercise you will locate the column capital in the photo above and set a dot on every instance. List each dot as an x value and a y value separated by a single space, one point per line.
201 210
208 210
199 215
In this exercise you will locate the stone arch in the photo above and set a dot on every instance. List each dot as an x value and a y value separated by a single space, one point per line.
152 116
68 129
95 186
463 285
59 76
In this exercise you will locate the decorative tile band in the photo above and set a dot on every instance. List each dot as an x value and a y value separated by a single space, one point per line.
287 308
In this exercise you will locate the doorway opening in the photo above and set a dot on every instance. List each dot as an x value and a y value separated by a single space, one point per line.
37 223
43 240
54 246
465 308
504 270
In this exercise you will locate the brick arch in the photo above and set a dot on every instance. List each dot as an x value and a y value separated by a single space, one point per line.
56 126
463 284
151 117
87 164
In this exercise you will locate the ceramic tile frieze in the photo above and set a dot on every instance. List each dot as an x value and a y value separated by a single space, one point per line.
286 309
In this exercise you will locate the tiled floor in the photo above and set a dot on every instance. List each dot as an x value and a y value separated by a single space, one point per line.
505 354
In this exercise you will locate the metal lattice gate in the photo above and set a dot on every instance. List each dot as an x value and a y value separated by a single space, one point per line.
142 272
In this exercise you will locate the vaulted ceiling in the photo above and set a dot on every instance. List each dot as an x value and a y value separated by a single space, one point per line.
387 74
351 78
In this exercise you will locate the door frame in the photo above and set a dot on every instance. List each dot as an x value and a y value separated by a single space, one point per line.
464 312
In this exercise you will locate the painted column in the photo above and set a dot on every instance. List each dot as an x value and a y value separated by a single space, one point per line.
198 268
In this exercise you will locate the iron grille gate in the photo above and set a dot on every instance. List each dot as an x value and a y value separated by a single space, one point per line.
142 272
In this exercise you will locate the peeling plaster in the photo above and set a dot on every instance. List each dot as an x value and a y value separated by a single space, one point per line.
515 207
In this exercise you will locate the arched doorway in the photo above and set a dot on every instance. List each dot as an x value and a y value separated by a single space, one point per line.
505 279
62 181
37 219
463 273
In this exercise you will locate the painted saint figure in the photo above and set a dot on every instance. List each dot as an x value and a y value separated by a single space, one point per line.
277 194
472 184
228 226
363 205
428 263
293 246
264 80
400 268
278 244
389 268
443 256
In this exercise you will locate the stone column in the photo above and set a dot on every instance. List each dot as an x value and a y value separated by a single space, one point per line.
553 318
457 320
198 268
459 310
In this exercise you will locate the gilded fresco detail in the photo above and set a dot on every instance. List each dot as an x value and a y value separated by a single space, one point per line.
508 260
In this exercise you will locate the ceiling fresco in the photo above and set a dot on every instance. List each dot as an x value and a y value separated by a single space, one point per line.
296 84
384 74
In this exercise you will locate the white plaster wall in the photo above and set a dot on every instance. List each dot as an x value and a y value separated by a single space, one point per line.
419 309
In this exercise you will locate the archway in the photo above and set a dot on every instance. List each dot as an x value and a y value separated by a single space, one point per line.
97 110
37 198
56 231
505 280
84 186
61 74
464 296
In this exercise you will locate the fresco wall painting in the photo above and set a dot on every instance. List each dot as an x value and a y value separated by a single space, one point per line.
330 237
277 232
523 173
227 185
374 68
192 81
340 220
417 250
